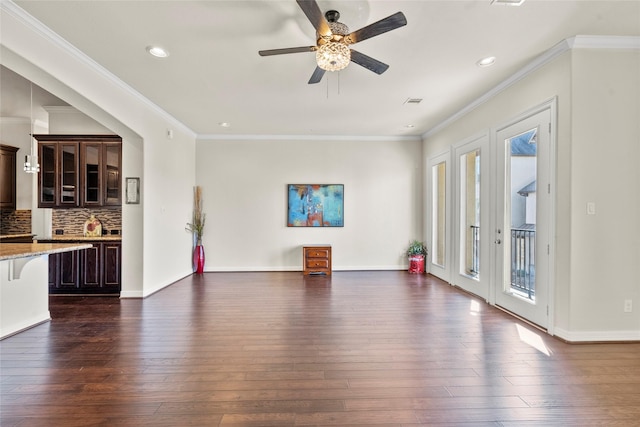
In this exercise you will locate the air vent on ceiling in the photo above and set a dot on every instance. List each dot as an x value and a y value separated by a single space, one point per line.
508 2
413 101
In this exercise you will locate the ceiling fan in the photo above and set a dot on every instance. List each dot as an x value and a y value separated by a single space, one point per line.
333 40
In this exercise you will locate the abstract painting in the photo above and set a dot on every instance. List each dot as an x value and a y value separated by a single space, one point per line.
315 205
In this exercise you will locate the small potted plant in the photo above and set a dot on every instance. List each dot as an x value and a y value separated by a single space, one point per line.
417 252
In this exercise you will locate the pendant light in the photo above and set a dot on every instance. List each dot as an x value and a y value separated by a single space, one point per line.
31 164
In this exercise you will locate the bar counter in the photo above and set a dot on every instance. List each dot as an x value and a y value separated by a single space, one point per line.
23 250
24 283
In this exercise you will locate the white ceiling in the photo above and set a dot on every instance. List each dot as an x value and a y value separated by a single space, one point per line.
214 73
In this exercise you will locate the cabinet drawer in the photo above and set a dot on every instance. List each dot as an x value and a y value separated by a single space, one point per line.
317 253
318 263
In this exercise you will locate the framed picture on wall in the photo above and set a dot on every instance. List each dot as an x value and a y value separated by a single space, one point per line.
315 205
132 190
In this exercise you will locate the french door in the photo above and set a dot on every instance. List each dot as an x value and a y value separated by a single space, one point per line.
471 234
522 221
490 210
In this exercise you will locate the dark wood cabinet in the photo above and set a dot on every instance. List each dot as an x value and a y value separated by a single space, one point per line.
8 177
64 270
316 259
90 274
112 257
79 171
95 270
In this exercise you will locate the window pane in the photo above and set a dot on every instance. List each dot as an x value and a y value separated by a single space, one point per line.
439 220
470 214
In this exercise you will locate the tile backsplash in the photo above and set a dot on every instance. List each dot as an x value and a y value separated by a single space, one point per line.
15 222
72 220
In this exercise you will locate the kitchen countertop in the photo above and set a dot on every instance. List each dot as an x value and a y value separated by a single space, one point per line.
13 236
24 250
80 238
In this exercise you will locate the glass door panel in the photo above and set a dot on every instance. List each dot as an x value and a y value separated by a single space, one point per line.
438 213
439 243
470 214
68 174
471 252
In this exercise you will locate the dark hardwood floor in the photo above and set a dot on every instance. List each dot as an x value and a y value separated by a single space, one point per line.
278 349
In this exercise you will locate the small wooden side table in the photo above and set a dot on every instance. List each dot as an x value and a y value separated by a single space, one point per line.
316 259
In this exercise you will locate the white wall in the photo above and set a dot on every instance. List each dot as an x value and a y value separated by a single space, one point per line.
24 293
597 155
245 199
16 133
156 251
605 247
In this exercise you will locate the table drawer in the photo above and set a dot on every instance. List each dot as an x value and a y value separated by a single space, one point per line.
318 253
317 263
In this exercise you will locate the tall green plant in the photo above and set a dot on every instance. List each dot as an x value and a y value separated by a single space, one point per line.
196 226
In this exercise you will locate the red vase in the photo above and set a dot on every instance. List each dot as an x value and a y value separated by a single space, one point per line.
198 259
416 264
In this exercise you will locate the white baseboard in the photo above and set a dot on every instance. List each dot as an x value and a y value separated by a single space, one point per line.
131 294
596 336
299 268
24 325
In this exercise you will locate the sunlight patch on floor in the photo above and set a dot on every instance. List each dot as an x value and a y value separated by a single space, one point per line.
533 339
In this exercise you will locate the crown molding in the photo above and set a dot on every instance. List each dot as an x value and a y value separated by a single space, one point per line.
20 15
577 42
61 109
390 138
604 42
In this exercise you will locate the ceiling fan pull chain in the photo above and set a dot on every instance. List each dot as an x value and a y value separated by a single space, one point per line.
327 79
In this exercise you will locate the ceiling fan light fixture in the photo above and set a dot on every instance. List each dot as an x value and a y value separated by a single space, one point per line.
333 56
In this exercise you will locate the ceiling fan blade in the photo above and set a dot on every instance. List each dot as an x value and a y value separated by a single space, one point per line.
287 50
316 76
387 24
368 62
313 12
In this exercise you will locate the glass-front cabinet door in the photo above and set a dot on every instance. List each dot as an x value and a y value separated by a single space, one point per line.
68 174
58 179
48 175
92 174
112 159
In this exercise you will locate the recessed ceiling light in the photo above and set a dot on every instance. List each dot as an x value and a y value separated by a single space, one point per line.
508 2
486 62
224 124
157 51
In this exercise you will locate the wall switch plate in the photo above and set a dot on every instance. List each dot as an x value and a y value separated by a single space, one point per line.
591 208
628 306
